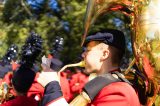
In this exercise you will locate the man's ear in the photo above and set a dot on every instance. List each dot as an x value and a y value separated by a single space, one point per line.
105 54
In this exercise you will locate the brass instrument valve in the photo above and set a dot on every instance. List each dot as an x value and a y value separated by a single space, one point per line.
4 92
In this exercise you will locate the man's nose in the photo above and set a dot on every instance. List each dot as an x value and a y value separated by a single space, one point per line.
83 54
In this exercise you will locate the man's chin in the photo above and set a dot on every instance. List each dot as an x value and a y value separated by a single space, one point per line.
87 71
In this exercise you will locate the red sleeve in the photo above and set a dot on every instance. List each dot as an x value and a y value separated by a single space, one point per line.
65 87
36 90
77 82
21 101
7 78
117 94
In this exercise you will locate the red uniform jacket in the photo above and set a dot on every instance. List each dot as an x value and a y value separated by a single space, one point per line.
21 101
116 94
65 86
77 82
36 91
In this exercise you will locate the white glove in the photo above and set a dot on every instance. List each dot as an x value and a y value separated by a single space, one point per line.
46 77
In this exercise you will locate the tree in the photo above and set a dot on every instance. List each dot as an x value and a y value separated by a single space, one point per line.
51 18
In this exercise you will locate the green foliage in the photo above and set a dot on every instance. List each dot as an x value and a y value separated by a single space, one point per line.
13 11
17 21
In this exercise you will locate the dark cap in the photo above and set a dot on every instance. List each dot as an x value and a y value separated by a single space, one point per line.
56 64
23 79
110 37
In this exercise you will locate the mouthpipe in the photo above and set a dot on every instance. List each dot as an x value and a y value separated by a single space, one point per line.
80 64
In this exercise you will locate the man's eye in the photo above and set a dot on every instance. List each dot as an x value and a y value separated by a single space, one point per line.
87 50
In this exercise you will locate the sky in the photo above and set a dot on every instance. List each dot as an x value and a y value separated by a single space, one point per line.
36 4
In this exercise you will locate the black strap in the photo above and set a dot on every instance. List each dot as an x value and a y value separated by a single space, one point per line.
121 77
93 87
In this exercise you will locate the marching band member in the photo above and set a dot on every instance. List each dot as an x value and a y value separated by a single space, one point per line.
22 80
104 51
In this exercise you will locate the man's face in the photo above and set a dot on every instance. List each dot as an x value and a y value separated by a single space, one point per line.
92 57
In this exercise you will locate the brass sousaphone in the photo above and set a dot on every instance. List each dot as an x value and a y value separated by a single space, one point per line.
145 29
